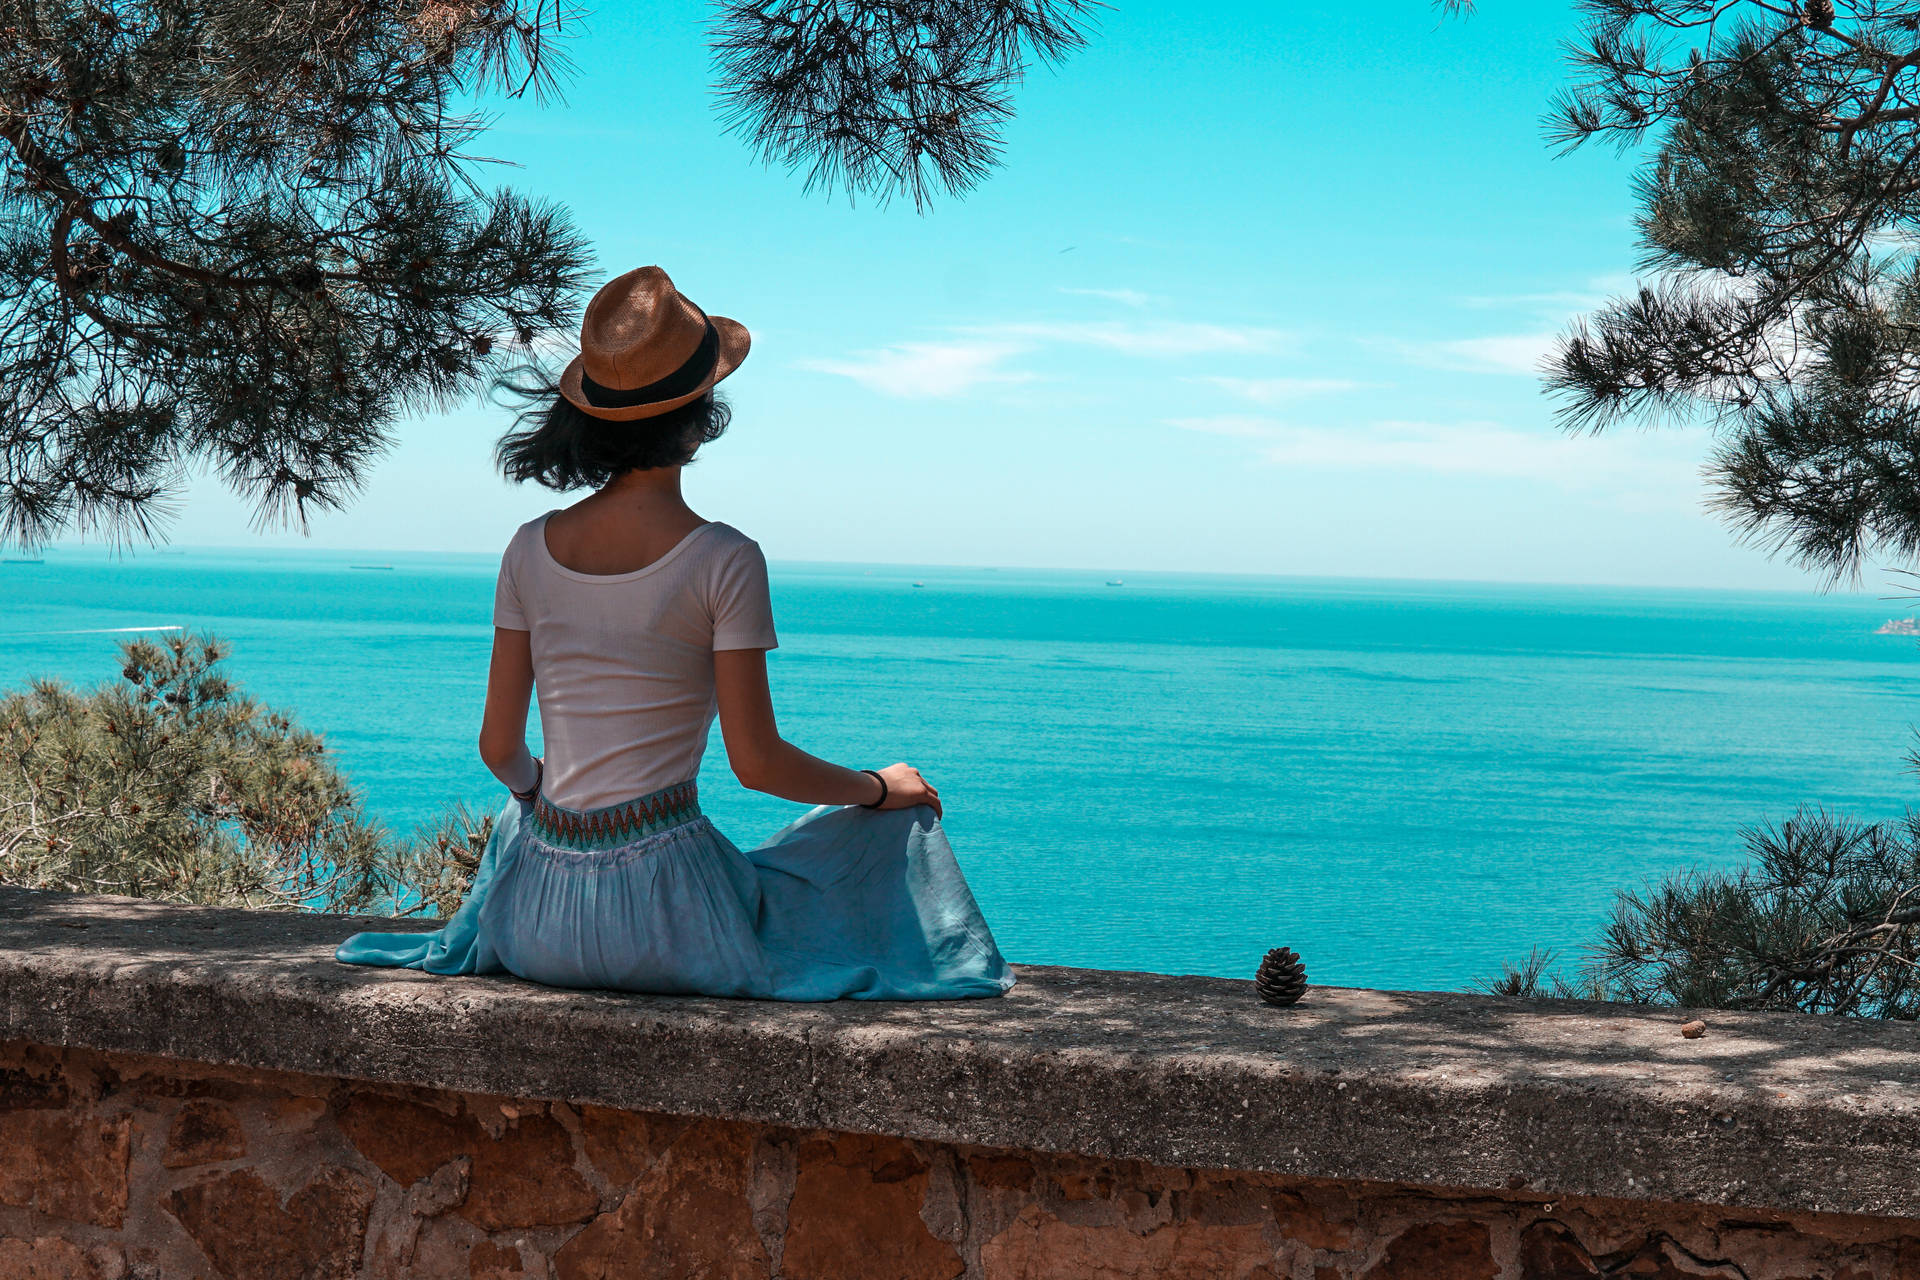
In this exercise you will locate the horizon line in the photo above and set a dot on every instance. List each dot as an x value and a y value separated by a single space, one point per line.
1833 590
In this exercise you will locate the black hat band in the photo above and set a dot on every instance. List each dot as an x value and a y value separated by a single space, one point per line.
687 378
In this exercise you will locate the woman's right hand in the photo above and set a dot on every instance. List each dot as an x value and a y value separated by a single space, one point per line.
906 788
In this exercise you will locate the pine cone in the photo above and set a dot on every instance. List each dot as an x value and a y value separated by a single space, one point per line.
1819 14
1281 978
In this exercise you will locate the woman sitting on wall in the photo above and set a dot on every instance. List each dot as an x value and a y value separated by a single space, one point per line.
636 620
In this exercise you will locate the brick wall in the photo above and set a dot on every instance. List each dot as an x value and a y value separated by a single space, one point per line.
116 1167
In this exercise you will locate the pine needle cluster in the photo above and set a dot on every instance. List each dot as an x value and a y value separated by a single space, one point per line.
170 784
891 97
1779 201
1824 919
250 236
246 236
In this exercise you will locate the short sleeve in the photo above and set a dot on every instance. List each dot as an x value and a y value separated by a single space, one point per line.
742 606
507 611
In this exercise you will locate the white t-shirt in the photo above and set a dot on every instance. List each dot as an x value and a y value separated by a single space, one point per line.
623 662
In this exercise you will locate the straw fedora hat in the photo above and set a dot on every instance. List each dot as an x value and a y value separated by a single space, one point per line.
646 349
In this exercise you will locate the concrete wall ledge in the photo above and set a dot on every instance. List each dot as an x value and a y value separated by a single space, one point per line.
1777 1112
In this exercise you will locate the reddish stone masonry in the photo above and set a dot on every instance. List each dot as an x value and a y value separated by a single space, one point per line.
121 1167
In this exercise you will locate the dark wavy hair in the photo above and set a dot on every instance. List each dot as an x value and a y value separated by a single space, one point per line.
554 444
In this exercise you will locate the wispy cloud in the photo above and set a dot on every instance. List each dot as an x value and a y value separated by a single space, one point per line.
980 354
1470 448
1558 302
1162 339
1125 297
1229 424
1280 390
914 370
1518 353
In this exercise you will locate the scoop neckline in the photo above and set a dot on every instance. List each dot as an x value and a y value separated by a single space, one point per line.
546 553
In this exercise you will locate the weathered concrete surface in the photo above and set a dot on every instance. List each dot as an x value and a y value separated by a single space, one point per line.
1766 1111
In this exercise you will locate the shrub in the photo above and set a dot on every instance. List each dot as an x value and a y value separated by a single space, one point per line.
170 784
1825 919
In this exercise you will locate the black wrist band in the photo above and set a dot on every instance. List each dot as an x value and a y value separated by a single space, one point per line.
883 789
532 793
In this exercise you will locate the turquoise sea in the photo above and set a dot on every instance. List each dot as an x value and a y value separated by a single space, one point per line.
1406 781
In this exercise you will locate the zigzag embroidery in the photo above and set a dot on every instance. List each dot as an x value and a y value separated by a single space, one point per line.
616 825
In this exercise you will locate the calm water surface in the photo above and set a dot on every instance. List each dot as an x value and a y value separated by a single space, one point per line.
1408 782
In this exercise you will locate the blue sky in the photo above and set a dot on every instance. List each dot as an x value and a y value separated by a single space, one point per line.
1259 288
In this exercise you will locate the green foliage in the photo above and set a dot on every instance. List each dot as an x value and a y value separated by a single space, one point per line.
1777 217
249 235
244 234
170 784
886 96
438 867
1825 919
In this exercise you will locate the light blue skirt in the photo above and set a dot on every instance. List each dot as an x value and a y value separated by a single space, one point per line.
649 896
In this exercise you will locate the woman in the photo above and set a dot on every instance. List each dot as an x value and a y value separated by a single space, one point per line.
637 620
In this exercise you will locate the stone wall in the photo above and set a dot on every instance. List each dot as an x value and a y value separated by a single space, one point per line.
194 1094
119 1166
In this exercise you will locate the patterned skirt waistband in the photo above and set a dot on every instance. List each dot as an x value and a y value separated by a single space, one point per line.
593 830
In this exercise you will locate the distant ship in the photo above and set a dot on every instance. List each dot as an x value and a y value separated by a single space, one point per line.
919 584
1899 627
1115 582
387 567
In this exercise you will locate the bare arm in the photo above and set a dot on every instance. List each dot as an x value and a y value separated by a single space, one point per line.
503 726
764 761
